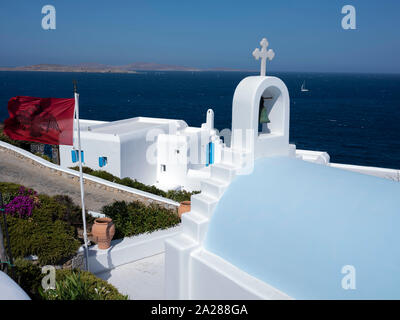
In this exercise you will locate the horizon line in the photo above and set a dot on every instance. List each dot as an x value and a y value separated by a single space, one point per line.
210 70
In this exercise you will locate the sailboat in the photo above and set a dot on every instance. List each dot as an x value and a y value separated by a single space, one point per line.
303 87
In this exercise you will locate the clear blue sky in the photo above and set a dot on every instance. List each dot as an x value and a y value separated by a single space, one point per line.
305 35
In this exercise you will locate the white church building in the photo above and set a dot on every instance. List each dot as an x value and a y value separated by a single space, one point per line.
162 152
270 222
273 222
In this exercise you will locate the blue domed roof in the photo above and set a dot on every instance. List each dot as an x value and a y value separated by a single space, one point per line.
295 225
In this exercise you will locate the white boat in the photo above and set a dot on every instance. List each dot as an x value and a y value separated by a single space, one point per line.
303 87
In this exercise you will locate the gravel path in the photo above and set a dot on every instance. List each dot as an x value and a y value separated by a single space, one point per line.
13 169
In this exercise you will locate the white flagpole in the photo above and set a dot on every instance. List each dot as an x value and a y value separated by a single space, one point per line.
76 94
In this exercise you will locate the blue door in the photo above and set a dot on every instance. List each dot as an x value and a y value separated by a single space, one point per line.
210 154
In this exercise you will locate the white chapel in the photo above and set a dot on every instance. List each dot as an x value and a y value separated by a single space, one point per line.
270 221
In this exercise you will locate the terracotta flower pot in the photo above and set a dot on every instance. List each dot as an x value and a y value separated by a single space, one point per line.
183 207
103 231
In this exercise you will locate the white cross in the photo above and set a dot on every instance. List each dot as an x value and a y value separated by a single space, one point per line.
264 54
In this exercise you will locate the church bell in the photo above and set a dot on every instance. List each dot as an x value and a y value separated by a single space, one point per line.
263 117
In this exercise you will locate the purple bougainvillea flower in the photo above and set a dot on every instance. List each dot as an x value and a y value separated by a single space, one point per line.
23 204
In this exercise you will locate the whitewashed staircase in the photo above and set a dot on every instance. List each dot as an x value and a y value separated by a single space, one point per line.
196 221
203 204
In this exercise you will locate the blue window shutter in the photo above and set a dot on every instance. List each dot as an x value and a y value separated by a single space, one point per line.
82 157
74 156
102 161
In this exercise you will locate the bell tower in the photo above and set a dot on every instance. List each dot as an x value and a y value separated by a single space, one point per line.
260 112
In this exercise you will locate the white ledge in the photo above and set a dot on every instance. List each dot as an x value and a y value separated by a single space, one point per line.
129 249
392 174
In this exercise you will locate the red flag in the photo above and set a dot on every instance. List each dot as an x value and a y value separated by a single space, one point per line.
44 120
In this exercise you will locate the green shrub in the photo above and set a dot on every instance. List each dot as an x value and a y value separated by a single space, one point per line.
141 186
55 242
81 285
52 241
28 276
61 207
71 288
135 218
49 233
9 190
177 196
70 284
105 175
180 196
71 213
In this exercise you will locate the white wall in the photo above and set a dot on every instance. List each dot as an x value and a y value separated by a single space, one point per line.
172 152
211 277
95 145
186 168
134 162
129 249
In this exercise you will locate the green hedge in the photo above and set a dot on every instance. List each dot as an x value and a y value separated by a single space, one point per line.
81 285
135 218
52 241
9 190
177 196
61 207
84 285
29 277
51 231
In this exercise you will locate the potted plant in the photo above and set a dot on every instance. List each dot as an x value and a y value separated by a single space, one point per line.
103 231
184 206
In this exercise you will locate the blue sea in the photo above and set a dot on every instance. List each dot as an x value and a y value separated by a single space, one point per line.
354 117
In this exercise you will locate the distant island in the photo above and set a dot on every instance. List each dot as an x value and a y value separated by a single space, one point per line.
102 68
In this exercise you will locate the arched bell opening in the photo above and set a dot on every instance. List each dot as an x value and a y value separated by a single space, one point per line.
271 135
271 112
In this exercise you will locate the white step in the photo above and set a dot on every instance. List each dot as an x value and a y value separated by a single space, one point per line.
214 187
195 225
223 172
203 204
